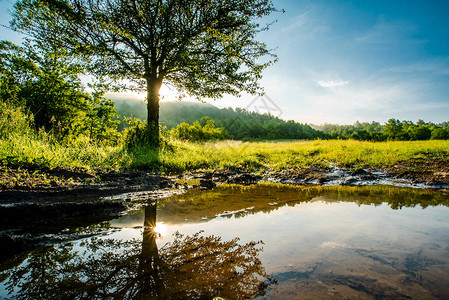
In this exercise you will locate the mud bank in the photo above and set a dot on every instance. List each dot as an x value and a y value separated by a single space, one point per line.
417 174
40 206
37 204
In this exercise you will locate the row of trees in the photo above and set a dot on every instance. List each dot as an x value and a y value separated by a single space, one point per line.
238 124
241 124
392 130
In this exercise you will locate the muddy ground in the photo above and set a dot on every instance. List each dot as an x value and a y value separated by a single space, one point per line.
29 184
36 202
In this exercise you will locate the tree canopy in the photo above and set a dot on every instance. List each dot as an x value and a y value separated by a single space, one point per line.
205 48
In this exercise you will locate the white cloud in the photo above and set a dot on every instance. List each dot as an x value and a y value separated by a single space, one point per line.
331 84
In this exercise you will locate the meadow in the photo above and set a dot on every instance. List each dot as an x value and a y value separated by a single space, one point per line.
254 156
22 146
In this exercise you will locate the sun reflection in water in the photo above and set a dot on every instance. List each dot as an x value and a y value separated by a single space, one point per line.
161 229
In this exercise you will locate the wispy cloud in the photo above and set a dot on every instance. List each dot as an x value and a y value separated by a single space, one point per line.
384 32
331 84
297 22
436 66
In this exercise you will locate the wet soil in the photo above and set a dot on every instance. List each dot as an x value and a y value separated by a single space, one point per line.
33 184
42 201
37 204
36 185
430 173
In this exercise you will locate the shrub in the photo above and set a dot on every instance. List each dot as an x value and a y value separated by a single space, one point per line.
196 132
13 120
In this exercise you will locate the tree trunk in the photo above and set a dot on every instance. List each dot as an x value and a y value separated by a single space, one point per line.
153 87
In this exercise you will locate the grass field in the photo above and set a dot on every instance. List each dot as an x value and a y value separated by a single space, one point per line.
22 146
297 154
185 156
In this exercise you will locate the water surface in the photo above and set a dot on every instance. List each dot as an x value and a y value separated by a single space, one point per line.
265 241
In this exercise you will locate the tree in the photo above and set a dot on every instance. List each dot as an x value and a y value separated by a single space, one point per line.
45 83
393 129
205 48
439 133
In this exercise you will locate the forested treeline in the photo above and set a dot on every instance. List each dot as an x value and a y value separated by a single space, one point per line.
238 124
392 130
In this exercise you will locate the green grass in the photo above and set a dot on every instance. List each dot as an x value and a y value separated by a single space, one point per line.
184 156
40 150
21 145
297 155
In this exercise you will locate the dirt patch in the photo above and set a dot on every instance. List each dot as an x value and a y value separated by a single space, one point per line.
19 184
32 184
428 171
36 202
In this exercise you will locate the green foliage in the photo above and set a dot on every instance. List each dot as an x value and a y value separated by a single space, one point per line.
12 120
138 134
100 119
45 83
197 132
206 48
203 48
21 144
439 133
238 124
41 150
392 130
128 110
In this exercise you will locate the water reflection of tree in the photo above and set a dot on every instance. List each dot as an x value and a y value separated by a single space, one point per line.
189 267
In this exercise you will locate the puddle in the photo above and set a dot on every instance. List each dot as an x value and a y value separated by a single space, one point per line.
265 241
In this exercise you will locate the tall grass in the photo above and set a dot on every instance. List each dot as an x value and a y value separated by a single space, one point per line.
20 144
298 154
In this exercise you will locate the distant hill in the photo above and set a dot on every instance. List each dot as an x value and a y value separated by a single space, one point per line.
175 112
238 123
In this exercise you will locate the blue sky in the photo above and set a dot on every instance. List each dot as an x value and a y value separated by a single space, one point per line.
347 61
343 61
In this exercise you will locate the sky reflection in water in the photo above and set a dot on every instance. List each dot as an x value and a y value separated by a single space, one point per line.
334 242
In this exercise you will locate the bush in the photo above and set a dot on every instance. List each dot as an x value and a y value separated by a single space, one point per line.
140 134
13 121
196 132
